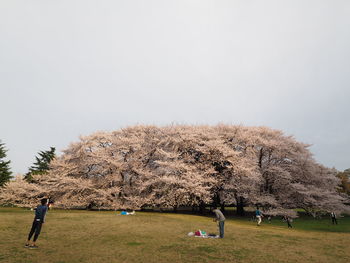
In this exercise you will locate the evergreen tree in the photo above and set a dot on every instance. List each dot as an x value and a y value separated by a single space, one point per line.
5 173
41 164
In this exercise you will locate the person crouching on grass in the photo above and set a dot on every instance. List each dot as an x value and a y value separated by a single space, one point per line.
221 219
39 219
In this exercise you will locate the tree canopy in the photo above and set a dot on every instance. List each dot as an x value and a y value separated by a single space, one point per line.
41 164
344 177
172 166
5 171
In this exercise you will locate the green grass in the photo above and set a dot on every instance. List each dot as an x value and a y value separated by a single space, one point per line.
71 236
307 223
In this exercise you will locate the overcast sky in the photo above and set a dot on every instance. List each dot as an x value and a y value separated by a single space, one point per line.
69 68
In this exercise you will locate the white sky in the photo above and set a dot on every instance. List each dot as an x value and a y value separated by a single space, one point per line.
69 68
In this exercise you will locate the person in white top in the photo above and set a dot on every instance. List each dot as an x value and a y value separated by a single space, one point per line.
334 218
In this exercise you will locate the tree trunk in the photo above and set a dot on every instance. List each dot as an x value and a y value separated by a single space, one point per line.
240 206
201 208
216 200
260 157
223 207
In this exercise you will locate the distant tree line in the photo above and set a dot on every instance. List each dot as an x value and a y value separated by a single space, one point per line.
193 166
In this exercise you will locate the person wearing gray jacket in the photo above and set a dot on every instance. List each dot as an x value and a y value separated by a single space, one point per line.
219 217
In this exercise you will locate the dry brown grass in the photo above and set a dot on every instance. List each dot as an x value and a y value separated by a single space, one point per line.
82 236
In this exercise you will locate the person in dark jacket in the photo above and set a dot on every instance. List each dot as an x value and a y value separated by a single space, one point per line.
39 219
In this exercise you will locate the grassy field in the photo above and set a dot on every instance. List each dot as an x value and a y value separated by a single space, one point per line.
92 236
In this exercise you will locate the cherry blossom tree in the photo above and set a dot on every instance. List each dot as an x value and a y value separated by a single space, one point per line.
179 165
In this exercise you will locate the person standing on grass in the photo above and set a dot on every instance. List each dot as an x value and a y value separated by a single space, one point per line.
269 219
258 215
334 218
221 219
39 219
288 220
